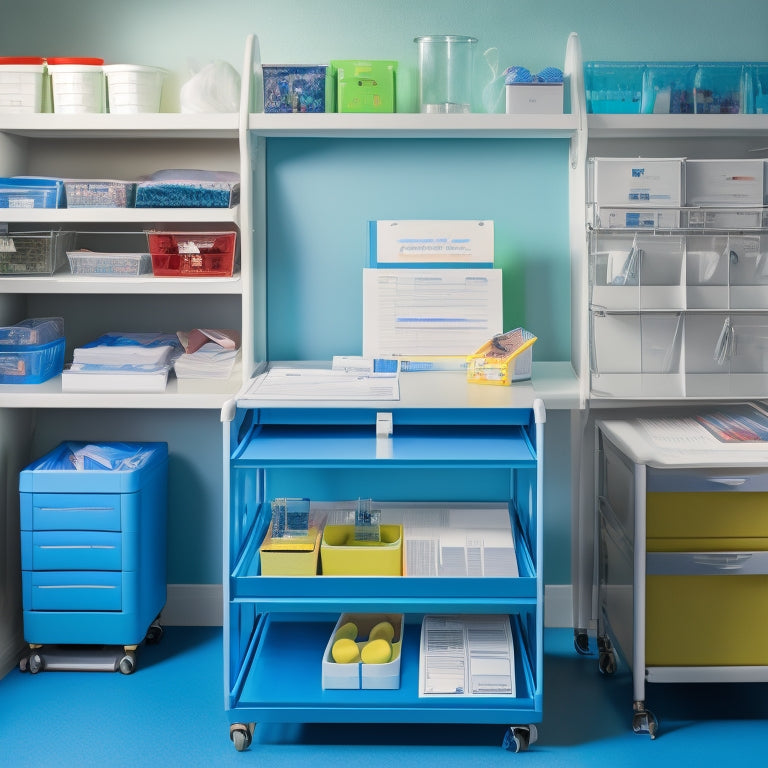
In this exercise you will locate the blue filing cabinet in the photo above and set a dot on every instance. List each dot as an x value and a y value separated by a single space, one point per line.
450 442
93 548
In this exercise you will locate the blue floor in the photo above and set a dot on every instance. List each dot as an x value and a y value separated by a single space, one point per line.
170 713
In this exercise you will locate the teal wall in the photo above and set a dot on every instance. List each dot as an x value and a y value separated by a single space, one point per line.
322 178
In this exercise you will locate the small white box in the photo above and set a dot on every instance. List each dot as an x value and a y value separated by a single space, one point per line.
639 181
724 182
535 99
355 676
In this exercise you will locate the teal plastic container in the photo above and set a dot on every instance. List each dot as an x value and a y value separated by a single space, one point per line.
614 87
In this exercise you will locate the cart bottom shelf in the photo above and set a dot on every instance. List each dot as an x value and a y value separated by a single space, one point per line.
281 681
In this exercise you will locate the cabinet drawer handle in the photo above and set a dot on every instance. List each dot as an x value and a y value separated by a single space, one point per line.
730 481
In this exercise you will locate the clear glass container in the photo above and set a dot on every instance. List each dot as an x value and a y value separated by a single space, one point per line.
446 65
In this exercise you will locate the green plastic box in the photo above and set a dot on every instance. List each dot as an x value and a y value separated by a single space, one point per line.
365 86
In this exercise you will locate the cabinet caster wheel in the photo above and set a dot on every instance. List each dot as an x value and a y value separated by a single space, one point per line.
606 656
644 721
581 642
607 662
33 663
154 633
519 737
241 735
127 664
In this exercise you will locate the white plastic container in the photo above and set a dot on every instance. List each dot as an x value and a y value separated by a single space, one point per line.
21 84
134 88
77 85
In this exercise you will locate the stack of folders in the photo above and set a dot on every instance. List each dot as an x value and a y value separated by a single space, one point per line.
122 362
208 354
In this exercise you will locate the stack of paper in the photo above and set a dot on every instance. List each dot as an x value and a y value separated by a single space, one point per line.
208 354
122 362
466 656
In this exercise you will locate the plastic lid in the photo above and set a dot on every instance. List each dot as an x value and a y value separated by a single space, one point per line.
75 60
5 60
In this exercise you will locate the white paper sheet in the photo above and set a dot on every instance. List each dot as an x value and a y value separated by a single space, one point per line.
426 312
321 384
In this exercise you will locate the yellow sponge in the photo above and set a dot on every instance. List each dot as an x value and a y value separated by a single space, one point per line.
383 629
376 652
345 651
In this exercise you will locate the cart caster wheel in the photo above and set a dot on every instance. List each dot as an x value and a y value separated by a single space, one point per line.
127 664
644 721
154 633
519 737
241 735
581 642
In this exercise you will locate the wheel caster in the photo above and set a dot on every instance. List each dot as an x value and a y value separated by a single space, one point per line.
241 735
519 737
35 663
154 633
606 656
644 721
581 642
127 664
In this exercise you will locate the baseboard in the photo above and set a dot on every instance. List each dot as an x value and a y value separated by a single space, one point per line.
193 605
558 605
200 605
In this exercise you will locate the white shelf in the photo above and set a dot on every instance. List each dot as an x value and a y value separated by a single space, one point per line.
143 126
68 284
179 394
120 215
672 126
413 125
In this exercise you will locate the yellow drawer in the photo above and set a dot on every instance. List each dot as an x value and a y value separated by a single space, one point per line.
707 521
706 620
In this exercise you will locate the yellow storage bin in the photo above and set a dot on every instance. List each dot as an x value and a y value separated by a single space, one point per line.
507 357
294 556
702 521
342 555
707 620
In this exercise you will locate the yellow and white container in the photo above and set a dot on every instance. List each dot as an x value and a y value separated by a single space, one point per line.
77 85
21 84
133 88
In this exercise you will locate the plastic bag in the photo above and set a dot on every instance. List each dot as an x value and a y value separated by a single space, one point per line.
215 88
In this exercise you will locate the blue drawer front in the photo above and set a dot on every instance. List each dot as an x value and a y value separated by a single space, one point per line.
72 590
71 551
70 511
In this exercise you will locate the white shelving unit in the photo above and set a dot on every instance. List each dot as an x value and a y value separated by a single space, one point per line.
691 136
34 417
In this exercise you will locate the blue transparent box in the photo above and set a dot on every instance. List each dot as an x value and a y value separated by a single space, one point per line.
613 87
297 88
668 88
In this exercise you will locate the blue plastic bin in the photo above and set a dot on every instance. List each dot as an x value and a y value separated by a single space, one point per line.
31 363
21 192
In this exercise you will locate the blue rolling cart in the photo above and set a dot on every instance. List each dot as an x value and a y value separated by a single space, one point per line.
450 442
93 556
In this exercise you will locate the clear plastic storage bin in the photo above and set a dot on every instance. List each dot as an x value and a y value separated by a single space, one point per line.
35 330
613 87
719 88
99 193
668 88
34 253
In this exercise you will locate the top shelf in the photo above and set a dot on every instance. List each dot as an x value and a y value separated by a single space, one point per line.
671 126
413 125
109 126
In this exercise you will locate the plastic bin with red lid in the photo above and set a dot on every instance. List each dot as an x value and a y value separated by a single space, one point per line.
21 83
77 84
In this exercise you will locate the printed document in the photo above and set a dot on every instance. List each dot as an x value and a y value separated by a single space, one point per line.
466 655
430 312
